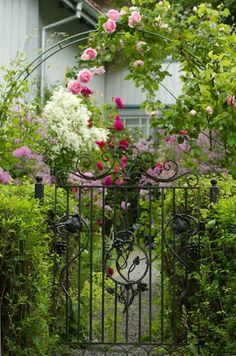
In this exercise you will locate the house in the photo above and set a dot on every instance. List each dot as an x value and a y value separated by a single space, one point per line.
27 25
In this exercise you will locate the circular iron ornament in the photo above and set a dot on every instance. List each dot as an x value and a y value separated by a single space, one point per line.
126 262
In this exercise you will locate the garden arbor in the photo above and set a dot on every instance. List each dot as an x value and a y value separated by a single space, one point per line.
126 226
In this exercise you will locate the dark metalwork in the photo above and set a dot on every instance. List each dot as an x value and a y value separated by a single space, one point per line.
39 189
214 191
133 249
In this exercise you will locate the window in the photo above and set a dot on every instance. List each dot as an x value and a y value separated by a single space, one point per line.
136 121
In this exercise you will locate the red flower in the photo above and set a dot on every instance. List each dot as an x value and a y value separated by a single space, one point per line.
118 125
107 181
183 132
100 166
124 160
100 143
158 168
116 169
120 181
123 145
169 139
86 91
110 271
119 103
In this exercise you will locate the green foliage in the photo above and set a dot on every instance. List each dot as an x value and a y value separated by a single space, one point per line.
25 273
205 47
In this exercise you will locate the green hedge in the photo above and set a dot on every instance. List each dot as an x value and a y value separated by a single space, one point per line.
25 276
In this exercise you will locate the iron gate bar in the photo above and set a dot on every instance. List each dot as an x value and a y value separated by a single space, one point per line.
123 248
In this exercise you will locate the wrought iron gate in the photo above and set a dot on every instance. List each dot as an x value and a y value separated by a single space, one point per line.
126 253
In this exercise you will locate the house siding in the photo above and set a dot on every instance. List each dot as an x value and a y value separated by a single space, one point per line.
18 28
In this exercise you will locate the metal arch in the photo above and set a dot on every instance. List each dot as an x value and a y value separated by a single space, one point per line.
31 67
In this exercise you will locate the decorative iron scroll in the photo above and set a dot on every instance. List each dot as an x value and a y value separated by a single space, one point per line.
138 165
127 264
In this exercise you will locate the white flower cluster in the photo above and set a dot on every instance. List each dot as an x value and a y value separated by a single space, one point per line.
68 124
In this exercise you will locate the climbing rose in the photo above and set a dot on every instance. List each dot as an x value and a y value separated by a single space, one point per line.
113 15
209 110
118 125
85 75
100 166
124 160
123 145
86 91
24 152
193 112
110 271
134 19
138 63
89 54
139 46
74 87
182 132
119 103
109 26
98 70
158 168
107 181
119 182
231 100
100 143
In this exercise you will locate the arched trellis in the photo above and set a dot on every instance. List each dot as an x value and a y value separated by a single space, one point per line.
78 38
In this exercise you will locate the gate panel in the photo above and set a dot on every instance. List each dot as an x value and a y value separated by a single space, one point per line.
126 256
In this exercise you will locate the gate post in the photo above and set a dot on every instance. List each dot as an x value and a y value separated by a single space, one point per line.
214 191
39 189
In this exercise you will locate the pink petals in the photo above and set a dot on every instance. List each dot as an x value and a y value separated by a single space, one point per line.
109 26
118 124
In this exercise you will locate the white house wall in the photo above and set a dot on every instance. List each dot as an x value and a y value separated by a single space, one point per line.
18 29
116 85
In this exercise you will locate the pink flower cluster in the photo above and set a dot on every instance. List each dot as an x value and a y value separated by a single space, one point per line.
23 152
113 16
85 75
89 54
231 101
5 176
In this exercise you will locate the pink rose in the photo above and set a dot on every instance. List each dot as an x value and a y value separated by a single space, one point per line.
231 100
119 103
139 46
85 75
100 166
209 110
123 145
100 144
109 26
98 70
158 168
183 132
89 54
86 91
107 181
113 15
74 87
138 63
119 182
193 112
134 19
118 125
124 160
169 139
